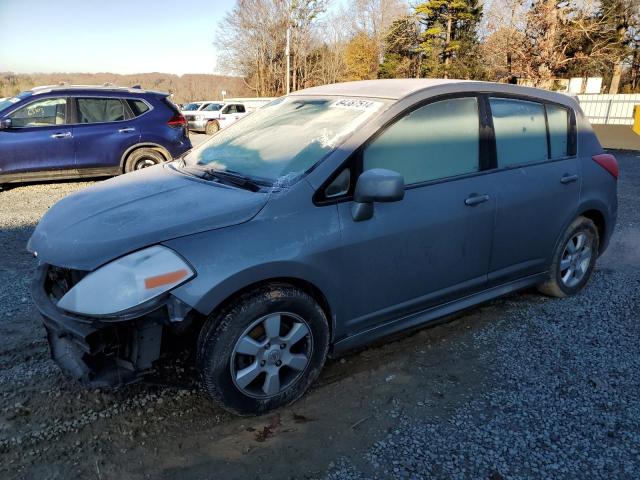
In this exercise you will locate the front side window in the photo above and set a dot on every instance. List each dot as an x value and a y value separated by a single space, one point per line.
282 140
213 107
520 130
41 113
558 120
100 110
439 140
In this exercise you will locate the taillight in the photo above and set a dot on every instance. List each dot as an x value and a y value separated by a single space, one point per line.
608 162
177 121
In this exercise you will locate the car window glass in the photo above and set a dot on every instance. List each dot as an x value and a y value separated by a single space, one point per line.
240 108
212 107
97 110
520 129
439 140
340 184
558 120
41 113
138 107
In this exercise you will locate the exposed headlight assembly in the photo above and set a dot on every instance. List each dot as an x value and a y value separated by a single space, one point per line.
127 282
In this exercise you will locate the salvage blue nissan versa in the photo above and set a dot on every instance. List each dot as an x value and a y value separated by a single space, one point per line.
66 132
327 219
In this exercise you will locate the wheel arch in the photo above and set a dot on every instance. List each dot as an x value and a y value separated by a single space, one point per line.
155 146
599 219
305 285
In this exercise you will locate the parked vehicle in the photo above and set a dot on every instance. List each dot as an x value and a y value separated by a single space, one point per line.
333 217
215 116
195 106
84 131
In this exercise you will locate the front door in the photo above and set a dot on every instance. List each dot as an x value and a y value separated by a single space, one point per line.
103 132
39 141
435 244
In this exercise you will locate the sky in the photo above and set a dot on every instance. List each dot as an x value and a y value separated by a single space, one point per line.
118 36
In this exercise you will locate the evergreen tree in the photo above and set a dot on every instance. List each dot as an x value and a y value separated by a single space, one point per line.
450 38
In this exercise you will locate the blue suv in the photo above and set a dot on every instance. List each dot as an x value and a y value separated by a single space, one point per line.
67 131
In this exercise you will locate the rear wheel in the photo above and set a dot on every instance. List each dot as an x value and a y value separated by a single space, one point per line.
264 351
212 127
574 259
142 158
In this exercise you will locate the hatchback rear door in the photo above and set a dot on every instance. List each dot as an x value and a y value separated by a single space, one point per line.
104 129
538 184
39 140
435 244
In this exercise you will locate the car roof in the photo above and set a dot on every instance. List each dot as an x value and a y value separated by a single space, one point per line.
396 89
91 88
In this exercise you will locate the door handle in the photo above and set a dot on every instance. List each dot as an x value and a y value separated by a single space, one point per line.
568 179
61 135
127 130
475 199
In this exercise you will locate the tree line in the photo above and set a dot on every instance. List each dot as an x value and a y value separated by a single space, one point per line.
535 42
184 88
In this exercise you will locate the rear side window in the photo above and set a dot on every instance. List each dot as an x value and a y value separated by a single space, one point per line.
439 140
138 107
240 108
520 130
41 113
100 110
558 120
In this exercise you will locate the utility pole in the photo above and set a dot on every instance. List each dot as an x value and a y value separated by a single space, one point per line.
287 52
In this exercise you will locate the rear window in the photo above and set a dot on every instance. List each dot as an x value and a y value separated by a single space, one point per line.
520 130
138 107
100 110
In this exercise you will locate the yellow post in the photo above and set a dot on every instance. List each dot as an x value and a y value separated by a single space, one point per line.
636 120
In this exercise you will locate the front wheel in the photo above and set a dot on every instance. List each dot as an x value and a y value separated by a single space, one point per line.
264 351
212 127
574 259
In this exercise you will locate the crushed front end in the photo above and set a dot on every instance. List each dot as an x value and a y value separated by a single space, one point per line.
104 351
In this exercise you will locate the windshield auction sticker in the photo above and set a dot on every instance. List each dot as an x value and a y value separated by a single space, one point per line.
355 104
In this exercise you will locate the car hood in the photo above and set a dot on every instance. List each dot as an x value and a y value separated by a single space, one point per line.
123 214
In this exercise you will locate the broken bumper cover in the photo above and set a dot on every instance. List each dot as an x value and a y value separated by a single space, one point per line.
101 352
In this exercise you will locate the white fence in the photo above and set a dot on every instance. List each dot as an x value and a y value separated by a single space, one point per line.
609 109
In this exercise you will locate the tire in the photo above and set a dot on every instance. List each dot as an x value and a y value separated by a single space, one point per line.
212 127
570 256
142 158
248 321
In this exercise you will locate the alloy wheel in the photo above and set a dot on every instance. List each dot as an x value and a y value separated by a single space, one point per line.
271 354
144 163
576 259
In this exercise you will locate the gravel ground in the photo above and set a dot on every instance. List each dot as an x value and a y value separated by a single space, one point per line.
522 387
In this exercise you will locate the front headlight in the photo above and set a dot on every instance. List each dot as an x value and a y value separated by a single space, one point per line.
199 117
127 282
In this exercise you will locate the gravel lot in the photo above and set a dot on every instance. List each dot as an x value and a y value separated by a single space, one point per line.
522 387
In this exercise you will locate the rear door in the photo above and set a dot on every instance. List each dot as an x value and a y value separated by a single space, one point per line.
39 140
435 244
104 129
537 181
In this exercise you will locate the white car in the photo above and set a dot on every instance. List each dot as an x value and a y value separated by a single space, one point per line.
195 106
215 116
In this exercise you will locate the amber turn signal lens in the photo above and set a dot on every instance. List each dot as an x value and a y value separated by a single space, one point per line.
164 279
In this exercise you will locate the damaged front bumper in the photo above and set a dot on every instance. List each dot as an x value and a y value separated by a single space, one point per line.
101 352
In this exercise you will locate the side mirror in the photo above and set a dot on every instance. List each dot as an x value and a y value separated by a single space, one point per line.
376 185
5 123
